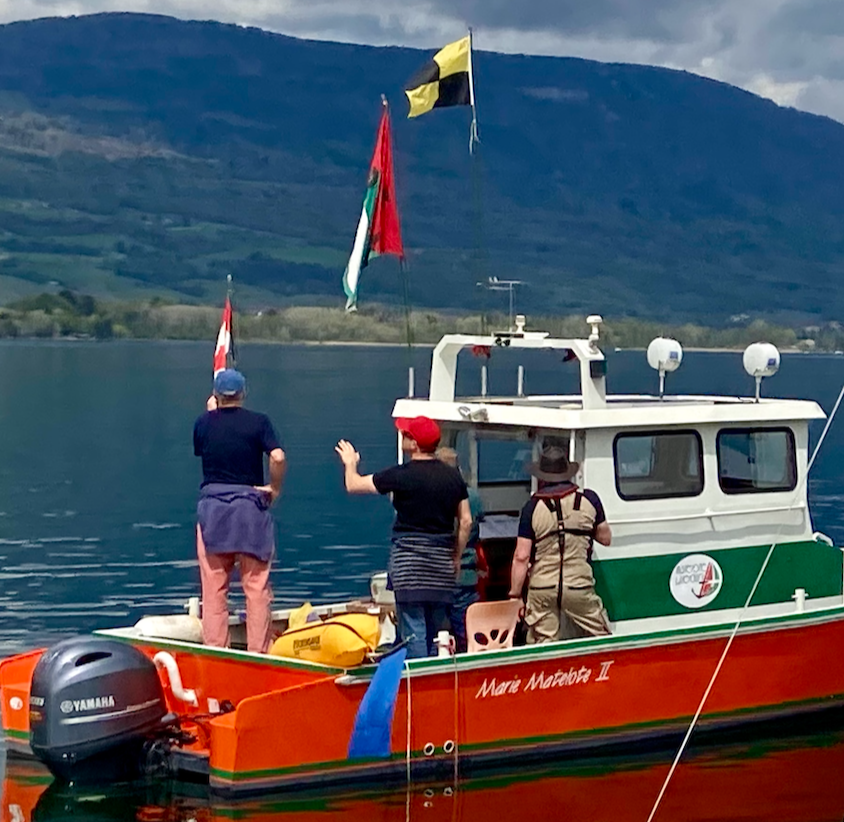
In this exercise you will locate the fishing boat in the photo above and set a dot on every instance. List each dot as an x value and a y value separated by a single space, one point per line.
722 600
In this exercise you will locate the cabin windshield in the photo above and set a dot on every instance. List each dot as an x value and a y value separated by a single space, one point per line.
494 461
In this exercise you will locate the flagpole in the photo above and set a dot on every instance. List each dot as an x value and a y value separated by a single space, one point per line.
405 276
230 356
473 129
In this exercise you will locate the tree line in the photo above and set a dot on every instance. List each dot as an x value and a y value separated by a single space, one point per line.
68 314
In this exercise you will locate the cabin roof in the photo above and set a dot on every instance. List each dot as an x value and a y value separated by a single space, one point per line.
593 407
620 411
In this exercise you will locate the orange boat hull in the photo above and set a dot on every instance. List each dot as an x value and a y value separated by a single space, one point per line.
291 726
796 779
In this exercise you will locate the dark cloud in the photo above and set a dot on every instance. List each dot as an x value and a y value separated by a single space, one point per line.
815 18
789 50
666 20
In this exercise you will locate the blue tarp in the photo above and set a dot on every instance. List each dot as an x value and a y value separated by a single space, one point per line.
374 721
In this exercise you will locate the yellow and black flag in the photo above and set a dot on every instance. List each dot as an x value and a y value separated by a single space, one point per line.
444 81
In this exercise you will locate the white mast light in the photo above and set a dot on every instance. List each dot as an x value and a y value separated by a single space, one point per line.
665 356
761 360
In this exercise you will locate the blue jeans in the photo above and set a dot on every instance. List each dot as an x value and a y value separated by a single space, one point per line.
419 623
464 596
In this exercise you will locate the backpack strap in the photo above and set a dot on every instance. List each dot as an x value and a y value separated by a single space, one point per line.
578 498
556 507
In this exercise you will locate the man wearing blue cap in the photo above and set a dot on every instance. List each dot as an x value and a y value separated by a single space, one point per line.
234 525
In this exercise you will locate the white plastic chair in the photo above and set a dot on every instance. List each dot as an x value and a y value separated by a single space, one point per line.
490 625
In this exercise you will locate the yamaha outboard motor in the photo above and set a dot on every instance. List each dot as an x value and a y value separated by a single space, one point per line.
94 703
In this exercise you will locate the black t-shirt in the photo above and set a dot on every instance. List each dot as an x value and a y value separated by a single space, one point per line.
232 443
426 495
526 519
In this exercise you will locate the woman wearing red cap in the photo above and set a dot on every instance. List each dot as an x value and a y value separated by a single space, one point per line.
428 495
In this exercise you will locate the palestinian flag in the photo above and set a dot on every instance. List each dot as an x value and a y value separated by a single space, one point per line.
378 228
445 81
225 343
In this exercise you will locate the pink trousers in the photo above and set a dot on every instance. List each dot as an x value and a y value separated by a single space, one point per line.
215 572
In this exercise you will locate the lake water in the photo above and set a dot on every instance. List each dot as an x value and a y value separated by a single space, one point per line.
98 486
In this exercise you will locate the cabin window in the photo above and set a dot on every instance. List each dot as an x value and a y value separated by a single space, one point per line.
492 459
658 465
755 460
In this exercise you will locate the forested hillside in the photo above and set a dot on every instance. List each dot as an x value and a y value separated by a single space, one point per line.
142 156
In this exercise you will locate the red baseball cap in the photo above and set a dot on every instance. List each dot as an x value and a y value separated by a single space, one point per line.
422 429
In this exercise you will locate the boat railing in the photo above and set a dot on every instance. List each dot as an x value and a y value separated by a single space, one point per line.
593 369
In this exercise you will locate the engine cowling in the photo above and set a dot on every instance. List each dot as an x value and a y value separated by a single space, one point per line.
94 703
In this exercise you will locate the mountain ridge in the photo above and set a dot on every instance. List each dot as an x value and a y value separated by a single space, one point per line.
613 187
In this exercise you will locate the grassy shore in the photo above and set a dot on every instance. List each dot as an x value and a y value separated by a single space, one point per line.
68 314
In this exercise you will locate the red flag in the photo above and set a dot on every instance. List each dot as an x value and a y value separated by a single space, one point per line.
224 339
378 229
385 231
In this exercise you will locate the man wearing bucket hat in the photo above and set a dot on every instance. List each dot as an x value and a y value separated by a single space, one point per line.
234 524
556 530
428 496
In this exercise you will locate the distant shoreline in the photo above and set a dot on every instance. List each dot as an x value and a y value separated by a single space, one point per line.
376 344
72 316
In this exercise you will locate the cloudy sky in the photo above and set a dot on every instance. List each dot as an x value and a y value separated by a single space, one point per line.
789 50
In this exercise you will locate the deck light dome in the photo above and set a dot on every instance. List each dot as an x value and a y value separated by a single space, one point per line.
664 356
761 360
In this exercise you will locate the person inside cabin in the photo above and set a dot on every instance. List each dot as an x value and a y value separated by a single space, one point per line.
466 590
428 496
234 524
553 552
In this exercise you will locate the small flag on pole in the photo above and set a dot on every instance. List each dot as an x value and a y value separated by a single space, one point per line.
447 80
378 229
224 339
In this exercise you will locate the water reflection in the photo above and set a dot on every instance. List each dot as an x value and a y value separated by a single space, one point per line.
796 778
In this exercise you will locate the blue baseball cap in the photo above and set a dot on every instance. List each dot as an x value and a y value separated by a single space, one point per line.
229 383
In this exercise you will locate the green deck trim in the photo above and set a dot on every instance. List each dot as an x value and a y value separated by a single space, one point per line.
638 587
556 650
600 644
23 736
517 744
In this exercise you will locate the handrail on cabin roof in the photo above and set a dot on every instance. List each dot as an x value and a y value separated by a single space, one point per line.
593 383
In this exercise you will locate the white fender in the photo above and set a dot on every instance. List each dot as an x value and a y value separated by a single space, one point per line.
164 660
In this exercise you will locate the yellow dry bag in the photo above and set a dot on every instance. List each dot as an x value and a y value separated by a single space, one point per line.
342 641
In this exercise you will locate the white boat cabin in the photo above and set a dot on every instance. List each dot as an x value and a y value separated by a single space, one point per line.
695 488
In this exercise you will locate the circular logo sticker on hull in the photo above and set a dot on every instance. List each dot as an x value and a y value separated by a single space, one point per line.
696 580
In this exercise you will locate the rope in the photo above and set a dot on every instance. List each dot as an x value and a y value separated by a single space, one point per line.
456 737
797 495
409 703
408 328
478 267
456 716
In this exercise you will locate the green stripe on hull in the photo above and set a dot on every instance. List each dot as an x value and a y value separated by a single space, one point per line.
514 746
638 587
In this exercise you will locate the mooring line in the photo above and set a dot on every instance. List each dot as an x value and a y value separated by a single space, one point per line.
407 753
456 716
797 497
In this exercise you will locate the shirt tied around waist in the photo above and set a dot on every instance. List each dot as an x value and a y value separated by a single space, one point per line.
422 568
236 519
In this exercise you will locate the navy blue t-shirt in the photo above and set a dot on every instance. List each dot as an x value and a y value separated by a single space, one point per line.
232 443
